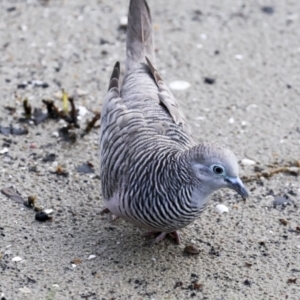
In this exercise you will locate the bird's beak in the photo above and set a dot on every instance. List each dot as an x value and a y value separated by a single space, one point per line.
236 184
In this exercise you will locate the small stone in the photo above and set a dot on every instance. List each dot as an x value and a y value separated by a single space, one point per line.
283 222
48 211
247 162
42 216
191 249
244 123
17 259
247 282
91 256
203 36
179 85
221 208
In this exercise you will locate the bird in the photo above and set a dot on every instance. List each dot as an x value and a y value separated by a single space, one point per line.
153 173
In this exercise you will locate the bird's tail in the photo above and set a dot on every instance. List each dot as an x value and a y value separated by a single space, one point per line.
139 43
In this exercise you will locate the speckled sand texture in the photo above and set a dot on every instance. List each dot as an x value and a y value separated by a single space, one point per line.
253 106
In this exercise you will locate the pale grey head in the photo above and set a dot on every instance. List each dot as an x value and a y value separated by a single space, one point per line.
216 167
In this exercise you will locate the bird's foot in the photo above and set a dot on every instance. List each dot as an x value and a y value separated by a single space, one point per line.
159 236
107 211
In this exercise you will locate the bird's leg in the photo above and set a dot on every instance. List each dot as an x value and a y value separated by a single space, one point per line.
107 211
159 236
176 236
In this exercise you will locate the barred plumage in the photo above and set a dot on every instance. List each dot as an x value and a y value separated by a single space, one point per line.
153 174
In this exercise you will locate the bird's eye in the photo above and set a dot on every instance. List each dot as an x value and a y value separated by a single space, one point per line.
218 170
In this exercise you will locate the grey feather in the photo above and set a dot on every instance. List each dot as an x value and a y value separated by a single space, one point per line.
153 173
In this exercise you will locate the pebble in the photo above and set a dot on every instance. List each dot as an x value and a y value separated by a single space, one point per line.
48 211
244 123
179 85
221 208
191 249
91 256
203 36
247 162
16 259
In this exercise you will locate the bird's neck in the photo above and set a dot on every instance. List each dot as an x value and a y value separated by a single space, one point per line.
200 192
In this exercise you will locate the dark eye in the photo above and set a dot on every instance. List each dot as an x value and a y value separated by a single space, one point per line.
218 170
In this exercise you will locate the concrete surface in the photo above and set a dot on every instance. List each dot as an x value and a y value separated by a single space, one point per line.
245 254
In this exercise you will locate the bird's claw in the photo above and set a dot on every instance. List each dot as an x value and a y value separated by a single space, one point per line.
159 236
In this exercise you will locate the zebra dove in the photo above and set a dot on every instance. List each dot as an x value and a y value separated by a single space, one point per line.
153 173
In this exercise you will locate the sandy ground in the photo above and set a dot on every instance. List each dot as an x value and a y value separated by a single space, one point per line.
253 107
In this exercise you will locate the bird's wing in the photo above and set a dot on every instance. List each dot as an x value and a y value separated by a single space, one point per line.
168 100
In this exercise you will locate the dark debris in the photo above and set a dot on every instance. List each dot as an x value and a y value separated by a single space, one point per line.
209 80
269 10
42 216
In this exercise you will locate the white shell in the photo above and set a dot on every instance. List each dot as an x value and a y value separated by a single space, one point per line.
82 111
124 21
179 85
48 211
203 36
247 162
239 57
80 92
92 256
16 258
220 208
55 134
231 121
4 150
25 290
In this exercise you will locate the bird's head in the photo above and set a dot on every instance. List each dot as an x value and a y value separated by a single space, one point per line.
216 167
